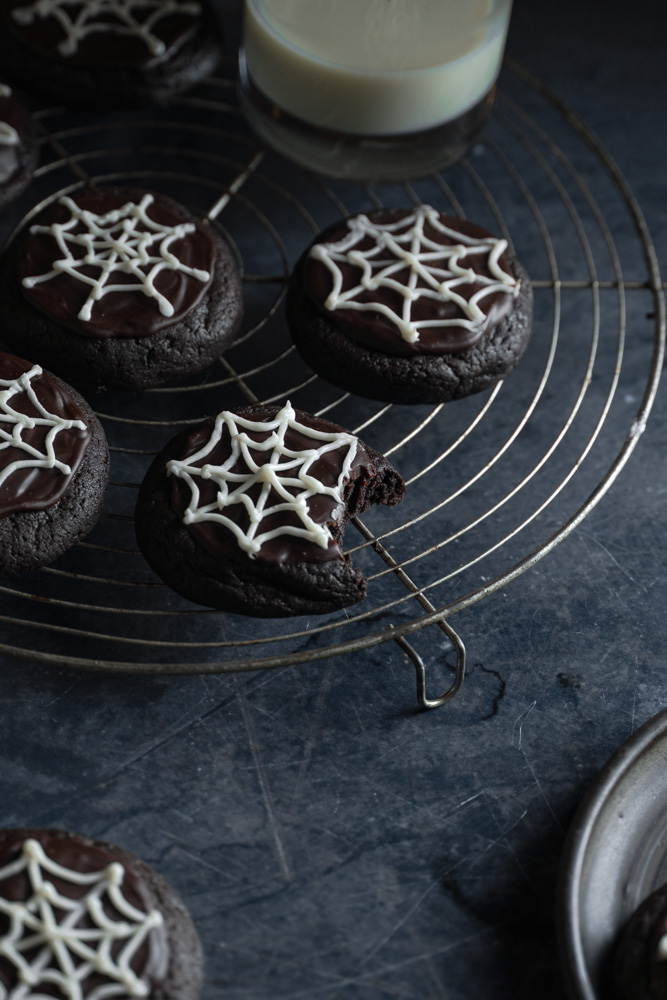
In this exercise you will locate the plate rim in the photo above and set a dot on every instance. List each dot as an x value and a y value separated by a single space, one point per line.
568 926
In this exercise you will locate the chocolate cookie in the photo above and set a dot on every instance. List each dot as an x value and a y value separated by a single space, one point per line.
246 511
120 287
82 918
54 466
107 54
639 967
410 306
18 147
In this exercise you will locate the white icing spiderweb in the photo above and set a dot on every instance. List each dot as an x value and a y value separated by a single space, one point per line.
80 18
50 940
124 241
435 271
8 135
13 423
285 481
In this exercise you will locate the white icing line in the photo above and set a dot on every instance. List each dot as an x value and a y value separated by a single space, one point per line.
13 423
116 243
661 950
92 17
404 245
8 135
65 953
285 471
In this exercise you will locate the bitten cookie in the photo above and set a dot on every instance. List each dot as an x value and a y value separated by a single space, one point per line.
106 54
120 287
18 147
410 306
639 967
82 918
246 511
54 466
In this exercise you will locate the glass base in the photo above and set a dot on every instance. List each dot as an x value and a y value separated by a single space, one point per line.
357 157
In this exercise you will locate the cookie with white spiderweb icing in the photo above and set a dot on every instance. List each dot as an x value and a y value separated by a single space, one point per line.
54 466
410 306
246 511
120 287
81 919
116 263
108 53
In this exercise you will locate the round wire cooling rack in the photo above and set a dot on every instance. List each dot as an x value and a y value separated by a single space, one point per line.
494 481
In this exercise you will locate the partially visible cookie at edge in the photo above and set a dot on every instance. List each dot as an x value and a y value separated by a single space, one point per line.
95 55
124 929
245 512
18 147
410 306
638 966
120 287
54 466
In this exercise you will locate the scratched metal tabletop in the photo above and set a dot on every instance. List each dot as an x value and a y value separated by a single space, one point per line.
329 839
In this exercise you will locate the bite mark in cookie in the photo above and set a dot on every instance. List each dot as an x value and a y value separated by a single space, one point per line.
246 512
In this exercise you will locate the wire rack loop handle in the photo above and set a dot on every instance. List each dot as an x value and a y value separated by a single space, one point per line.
420 668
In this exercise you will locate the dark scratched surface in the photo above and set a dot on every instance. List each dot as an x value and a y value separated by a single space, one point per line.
330 840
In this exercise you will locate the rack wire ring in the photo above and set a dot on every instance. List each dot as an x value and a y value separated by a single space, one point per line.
224 195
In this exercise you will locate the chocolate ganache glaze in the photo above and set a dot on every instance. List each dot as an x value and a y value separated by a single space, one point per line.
116 262
103 32
411 281
43 437
12 130
309 467
77 885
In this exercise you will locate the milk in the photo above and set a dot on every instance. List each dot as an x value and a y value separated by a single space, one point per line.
375 67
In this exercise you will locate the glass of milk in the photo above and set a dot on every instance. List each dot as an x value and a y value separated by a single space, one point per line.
371 89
